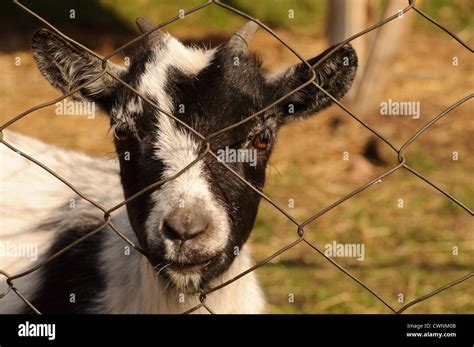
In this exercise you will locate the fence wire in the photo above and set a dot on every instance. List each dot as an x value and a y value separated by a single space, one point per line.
300 227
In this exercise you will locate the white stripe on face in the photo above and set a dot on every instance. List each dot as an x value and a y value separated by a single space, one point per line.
176 149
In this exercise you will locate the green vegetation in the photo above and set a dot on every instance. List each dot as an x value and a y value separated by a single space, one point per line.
453 14
422 163
275 14
306 15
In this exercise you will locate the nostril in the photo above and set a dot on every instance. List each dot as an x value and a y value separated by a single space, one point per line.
169 231
182 231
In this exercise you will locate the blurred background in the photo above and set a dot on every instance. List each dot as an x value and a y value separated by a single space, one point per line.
408 250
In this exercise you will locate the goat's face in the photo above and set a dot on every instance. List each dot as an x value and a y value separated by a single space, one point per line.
194 224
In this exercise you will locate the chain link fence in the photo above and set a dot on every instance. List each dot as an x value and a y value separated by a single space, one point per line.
299 227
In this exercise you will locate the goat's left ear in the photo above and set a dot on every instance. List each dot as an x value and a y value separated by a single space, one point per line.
335 75
67 67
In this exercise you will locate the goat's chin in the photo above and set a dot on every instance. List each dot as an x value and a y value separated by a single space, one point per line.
184 282
192 277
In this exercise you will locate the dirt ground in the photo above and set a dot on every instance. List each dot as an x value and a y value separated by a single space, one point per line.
408 250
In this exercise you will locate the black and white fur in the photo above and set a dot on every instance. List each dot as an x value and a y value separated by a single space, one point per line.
194 228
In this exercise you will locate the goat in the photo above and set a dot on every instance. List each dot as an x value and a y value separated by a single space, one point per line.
194 227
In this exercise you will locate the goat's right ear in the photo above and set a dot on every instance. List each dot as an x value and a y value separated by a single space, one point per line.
334 74
67 67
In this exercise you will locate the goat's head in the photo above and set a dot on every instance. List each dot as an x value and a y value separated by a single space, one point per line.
193 225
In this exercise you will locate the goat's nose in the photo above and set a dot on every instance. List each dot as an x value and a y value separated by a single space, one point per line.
185 226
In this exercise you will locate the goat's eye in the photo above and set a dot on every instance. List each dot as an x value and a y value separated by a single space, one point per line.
122 134
262 140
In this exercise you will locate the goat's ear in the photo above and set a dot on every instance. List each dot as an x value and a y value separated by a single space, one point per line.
67 67
335 75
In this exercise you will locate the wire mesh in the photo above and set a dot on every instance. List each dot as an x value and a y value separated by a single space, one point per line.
300 227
